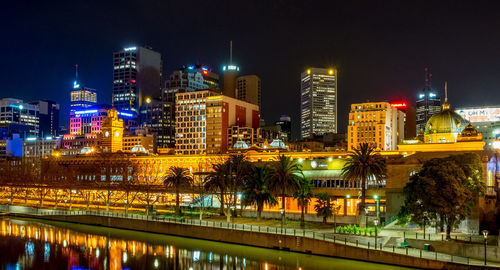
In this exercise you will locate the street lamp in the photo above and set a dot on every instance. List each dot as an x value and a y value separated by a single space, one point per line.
485 234
282 210
375 222
366 216
377 199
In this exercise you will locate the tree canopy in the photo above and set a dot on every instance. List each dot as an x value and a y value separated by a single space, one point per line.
444 190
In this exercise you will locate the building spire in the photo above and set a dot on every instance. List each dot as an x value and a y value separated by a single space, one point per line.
446 106
230 52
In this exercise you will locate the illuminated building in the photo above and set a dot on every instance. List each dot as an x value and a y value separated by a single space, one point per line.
20 118
318 102
485 119
112 132
193 78
230 75
376 123
48 117
137 75
410 131
134 143
445 131
161 113
81 97
285 124
39 147
428 103
248 88
89 120
203 119
72 145
247 135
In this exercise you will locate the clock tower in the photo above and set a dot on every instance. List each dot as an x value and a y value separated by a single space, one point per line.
112 132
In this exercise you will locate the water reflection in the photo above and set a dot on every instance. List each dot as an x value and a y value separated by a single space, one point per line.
30 244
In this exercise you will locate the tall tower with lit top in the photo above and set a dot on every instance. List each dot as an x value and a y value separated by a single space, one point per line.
428 102
81 96
318 102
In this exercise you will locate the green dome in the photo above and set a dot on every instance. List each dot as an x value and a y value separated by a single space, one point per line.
445 122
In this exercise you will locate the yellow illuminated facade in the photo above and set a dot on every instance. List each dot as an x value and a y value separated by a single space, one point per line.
112 132
376 123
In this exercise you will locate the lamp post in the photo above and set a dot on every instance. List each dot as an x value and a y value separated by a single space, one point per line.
375 222
425 218
366 216
282 210
485 234
377 199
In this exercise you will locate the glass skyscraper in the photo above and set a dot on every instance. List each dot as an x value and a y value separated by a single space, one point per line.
318 102
428 103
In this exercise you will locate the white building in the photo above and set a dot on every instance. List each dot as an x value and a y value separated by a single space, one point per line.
486 120
19 117
318 102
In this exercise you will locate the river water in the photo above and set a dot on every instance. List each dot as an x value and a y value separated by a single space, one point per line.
36 244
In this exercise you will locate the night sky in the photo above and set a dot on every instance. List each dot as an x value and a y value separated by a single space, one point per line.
380 50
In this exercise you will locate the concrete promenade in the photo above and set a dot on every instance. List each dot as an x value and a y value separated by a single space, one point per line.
258 236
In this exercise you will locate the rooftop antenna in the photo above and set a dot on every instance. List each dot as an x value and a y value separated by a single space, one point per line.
76 72
428 77
230 52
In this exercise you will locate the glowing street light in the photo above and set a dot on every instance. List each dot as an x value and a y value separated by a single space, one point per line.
375 222
485 234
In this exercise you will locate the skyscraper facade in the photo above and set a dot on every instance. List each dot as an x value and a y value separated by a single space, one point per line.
18 117
428 103
319 101
82 97
248 88
48 117
137 75
230 75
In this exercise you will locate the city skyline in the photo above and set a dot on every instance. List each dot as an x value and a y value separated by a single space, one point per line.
388 59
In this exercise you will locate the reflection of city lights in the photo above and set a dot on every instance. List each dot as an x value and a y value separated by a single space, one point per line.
124 257
265 266
156 263
196 255
97 252
65 243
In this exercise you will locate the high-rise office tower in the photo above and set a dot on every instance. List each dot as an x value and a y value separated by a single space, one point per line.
48 117
248 88
428 103
230 75
319 101
137 75
17 117
81 96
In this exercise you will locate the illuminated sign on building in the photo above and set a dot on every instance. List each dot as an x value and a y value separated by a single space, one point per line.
399 104
476 115
231 67
130 49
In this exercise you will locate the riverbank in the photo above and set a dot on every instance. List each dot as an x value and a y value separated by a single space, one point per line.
253 236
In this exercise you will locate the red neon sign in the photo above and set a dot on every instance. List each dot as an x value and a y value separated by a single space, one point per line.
205 72
399 105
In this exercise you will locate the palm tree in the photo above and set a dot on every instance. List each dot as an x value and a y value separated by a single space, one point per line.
239 170
363 164
303 196
285 178
323 206
177 178
256 190
216 182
